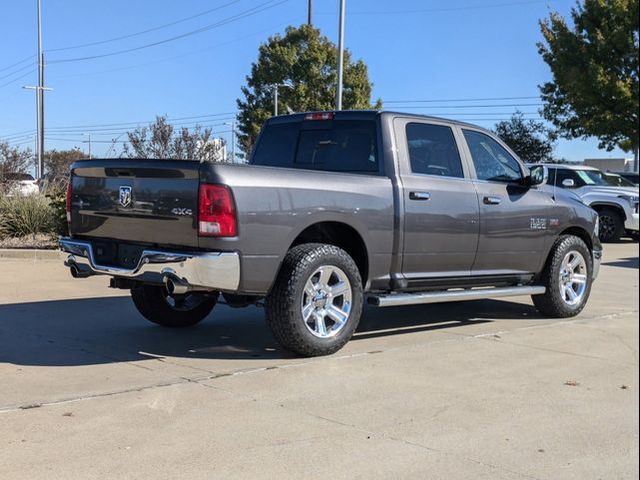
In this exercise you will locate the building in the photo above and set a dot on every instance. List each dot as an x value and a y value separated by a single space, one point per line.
611 164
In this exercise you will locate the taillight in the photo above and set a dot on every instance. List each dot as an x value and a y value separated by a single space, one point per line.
216 212
69 191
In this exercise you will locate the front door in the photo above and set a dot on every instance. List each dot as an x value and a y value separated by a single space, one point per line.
440 203
514 218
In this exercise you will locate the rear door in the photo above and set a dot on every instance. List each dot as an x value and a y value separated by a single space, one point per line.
514 218
137 201
440 202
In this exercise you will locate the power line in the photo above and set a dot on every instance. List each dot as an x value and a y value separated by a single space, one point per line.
17 63
16 71
173 57
160 27
89 127
18 78
247 13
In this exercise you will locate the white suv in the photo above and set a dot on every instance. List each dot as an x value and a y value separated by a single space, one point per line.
617 205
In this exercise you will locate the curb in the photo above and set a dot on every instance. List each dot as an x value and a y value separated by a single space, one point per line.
28 254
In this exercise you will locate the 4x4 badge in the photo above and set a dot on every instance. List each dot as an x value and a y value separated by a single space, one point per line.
125 196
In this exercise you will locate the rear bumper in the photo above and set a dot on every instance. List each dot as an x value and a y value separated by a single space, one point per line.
201 270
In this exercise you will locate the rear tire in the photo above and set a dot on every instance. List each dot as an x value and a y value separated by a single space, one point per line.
315 304
178 311
611 225
567 277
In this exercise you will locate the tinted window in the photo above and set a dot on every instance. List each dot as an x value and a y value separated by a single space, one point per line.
491 160
433 150
276 145
337 146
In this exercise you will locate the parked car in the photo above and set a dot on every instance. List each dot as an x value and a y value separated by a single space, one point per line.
616 180
616 205
334 208
16 183
630 176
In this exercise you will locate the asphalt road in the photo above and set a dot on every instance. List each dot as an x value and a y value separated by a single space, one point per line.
476 390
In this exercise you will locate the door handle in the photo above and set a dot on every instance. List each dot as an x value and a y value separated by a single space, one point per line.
419 196
492 200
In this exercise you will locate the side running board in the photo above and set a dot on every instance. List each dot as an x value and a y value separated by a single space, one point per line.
398 299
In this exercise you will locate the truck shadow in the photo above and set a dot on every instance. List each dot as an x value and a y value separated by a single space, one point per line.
109 330
630 262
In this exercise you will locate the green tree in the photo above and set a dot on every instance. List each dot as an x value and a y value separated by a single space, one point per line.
162 140
306 61
58 162
594 63
530 139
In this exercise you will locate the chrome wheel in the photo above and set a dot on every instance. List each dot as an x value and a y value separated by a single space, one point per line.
573 278
326 301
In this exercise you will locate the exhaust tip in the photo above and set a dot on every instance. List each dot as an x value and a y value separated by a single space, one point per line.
75 272
175 286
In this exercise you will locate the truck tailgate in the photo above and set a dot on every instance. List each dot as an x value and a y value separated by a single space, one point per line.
138 201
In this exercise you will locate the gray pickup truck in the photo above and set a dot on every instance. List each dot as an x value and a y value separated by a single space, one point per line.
333 209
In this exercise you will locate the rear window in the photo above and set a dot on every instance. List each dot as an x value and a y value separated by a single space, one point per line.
334 146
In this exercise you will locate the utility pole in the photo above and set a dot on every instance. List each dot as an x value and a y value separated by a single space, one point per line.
89 142
275 100
40 89
233 140
340 55
40 93
310 13
39 127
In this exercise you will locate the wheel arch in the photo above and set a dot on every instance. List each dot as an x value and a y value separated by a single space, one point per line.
338 234
598 206
581 233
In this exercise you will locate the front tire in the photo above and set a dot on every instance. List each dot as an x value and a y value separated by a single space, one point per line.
177 311
567 277
315 304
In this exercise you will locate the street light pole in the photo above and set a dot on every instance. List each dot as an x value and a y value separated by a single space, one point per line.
233 140
89 142
275 100
39 127
340 55
276 95
40 94
310 13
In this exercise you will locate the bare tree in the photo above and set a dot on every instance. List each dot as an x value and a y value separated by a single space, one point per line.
162 140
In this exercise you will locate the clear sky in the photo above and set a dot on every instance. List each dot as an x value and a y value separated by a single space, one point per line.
434 50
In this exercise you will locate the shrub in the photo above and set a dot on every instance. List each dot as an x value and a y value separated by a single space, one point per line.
28 215
58 204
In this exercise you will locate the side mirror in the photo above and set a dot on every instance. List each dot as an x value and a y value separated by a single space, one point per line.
568 183
538 175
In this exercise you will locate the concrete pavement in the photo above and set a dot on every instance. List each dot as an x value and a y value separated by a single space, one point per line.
473 390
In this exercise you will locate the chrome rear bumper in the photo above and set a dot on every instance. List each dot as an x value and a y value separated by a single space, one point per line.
201 270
